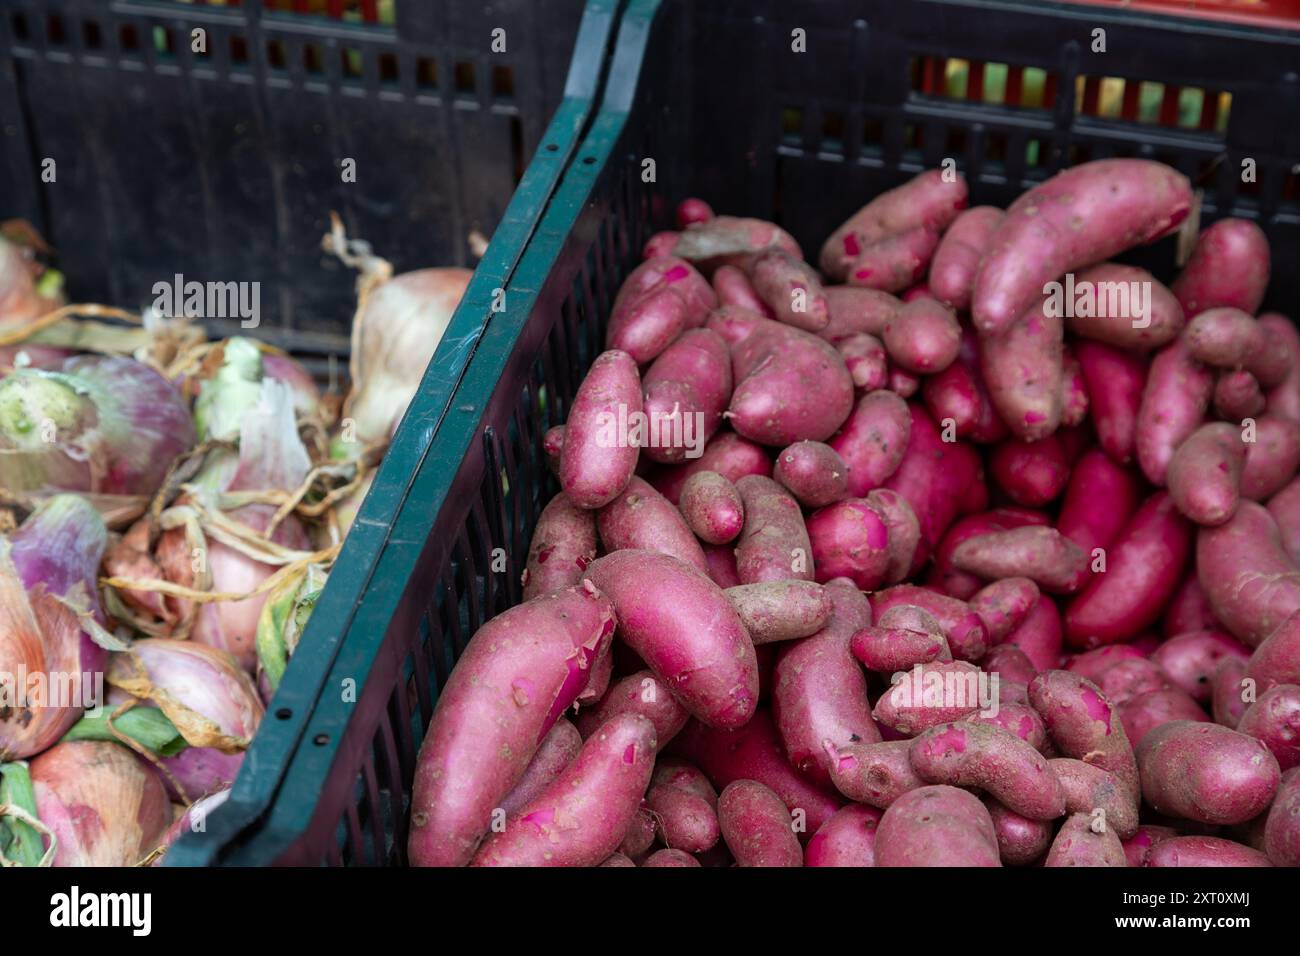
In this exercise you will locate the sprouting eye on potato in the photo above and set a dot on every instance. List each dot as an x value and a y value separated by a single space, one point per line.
968 545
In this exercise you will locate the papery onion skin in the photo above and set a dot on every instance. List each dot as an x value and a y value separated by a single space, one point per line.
393 339
209 682
21 298
283 368
116 426
54 554
105 805
200 810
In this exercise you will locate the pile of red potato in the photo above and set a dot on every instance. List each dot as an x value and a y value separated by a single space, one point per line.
968 547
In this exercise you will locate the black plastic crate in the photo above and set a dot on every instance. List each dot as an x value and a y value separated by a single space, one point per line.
715 95
224 164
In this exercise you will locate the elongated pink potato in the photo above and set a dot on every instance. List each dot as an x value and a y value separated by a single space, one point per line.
597 461
956 261
516 677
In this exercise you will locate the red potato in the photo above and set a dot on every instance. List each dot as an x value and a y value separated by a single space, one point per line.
1139 845
1143 713
904 531
1074 391
1098 793
1190 659
958 394
685 820
1237 395
932 694
1018 719
1083 724
819 693
1078 843
618 859
712 507
813 472
932 476
1040 636
790 385
732 287
773 545
1189 610
1094 663
692 210
756 752
865 357
1282 827
780 610
660 299
1143 569
904 636
660 244
1205 474
875 773
1274 719
845 840
757 826
564 543
684 776
952 271
1020 841
1126 679
1202 851
1004 605
944 576
1284 506
1229 266
637 693
722 565
1229 338
923 337
1284 399
596 462
667 857
727 453
1100 499
993 760
731 240
1271 458
1082 215
1226 692
1124 307
855 310
1044 555
683 627
684 393
1115 380
874 440
903 383
1207 773
1023 370
556 751
962 627
552 445
931 199
791 289
1174 400
936 826
640 518
1031 473
1249 579
895 262
517 675
1010 663
580 819
640 834
849 539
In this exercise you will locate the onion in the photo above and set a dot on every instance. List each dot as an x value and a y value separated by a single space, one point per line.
25 293
394 335
288 371
103 804
47 575
206 696
194 818
101 425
